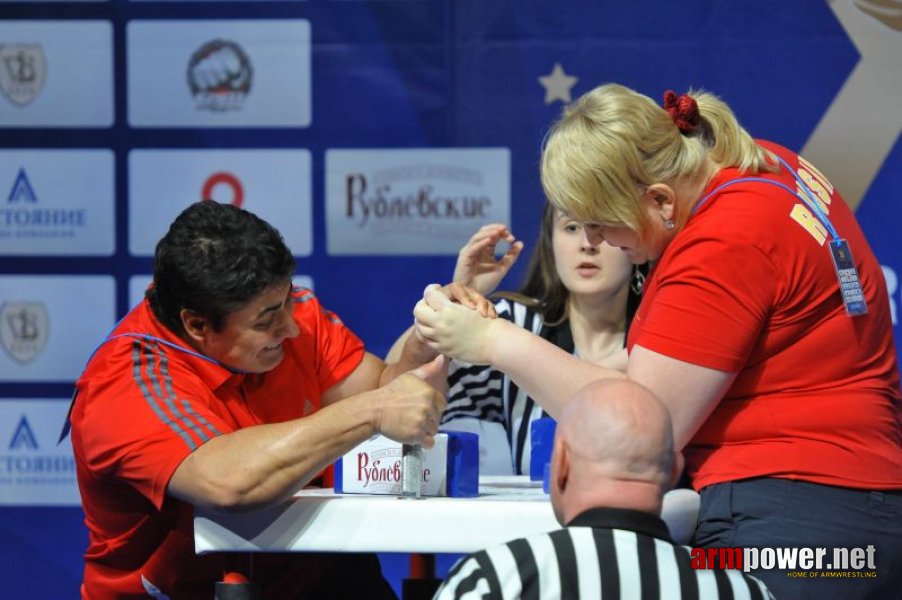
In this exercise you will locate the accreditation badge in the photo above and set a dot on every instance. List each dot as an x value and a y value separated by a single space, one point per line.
847 275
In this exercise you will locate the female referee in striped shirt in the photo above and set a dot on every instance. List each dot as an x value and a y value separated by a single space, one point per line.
578 295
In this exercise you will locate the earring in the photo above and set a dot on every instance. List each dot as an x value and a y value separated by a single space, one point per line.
668 223
637 282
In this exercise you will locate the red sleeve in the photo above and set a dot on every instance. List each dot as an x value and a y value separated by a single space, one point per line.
144 414
710 302
338 351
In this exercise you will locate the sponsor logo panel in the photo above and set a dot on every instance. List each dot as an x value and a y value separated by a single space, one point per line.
49 325
34 469
57 202
274 184
222 73
43 69
413 201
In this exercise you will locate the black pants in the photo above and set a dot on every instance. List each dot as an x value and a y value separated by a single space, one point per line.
780 513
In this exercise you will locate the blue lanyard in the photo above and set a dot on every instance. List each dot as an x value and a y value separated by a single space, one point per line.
846 273
147 336
141 336
807 198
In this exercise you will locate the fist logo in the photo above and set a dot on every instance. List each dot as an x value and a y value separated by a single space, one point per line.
219 76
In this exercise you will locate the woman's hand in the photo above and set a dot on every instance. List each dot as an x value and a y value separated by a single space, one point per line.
477 266
409 351
469 297
453 329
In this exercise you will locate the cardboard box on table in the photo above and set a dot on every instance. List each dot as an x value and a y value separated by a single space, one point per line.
450 468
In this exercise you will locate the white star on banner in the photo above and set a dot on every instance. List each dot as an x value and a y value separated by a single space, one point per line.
557 85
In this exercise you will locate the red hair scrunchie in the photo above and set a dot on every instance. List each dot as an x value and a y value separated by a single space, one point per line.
683 110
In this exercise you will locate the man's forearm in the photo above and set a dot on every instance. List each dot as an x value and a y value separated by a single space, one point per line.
263 465
414 354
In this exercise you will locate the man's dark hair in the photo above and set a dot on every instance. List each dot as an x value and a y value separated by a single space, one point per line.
213 260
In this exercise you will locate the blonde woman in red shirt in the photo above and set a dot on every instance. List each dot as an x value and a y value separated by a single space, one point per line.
764 327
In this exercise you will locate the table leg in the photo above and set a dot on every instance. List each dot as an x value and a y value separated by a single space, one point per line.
422 583
236 586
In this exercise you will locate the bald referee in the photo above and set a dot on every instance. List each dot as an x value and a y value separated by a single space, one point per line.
613 459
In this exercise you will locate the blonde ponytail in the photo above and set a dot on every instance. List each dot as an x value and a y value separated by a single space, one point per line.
729 144
612 142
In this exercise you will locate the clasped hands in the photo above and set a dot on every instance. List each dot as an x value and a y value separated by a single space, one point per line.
412 410
456 321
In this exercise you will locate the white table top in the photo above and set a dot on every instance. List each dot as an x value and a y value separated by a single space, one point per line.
319 520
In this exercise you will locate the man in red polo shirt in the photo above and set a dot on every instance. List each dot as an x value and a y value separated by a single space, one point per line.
228 389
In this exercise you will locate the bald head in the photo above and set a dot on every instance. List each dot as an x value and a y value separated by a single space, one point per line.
614 447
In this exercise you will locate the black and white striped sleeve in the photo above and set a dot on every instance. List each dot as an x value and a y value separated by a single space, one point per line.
471 578
475 391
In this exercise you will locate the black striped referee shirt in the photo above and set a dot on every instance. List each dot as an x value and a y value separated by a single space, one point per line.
603 553
483 392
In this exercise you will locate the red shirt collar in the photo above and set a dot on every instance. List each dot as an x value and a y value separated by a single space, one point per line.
141 321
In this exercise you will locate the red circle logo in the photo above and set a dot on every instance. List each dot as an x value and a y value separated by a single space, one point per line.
226 179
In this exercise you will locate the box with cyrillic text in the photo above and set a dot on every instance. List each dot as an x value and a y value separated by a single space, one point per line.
450 468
